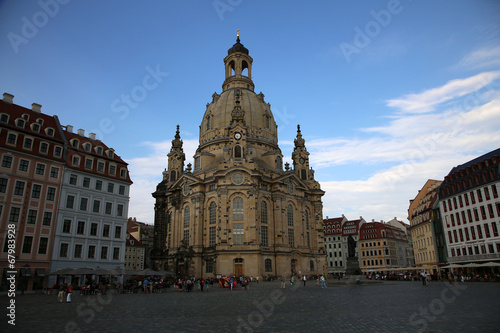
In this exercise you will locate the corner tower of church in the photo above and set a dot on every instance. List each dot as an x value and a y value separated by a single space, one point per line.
237 211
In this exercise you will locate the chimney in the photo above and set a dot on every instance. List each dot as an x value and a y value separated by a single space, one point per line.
35 107
8 98
69 128
81 132
92 136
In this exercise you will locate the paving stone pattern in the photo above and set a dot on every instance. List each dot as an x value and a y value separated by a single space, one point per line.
372 307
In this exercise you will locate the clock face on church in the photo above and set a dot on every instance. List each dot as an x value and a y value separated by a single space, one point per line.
302 160
237 135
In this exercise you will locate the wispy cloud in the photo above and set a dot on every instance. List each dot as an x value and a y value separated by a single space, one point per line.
428 100
479 59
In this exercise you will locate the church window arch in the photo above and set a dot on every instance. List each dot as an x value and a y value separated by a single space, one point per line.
303 174
289 215
311 266
238 209
209 122
279 163
187 213
197 163
306 219
172 175
263 212
212 209
237 151
268 265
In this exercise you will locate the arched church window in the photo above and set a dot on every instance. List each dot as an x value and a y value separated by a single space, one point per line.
209 122
268 265
303 174
212 212
306 218
311 266
197 163
238 209
267 121
289 215
237 151
263 212
187 214
172 175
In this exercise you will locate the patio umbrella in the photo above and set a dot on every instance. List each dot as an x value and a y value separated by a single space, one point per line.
63 271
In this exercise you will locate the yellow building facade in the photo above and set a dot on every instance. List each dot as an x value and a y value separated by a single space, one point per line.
420 215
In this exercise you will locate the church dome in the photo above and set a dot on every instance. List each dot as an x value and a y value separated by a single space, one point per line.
237 47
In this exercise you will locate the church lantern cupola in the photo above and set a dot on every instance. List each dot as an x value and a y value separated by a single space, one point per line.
238 67
300 156
176 158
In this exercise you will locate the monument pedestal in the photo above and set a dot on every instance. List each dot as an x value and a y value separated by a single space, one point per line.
352 266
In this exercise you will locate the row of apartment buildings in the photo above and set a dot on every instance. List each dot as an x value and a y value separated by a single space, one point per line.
454 224
64 197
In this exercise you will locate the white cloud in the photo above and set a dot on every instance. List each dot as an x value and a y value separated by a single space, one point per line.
428 100
479 59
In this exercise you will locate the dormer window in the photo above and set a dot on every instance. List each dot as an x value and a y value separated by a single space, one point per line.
50 131
87 146
26 117
74 143
35 127
20 123
111 153
39 121
4 118
98 150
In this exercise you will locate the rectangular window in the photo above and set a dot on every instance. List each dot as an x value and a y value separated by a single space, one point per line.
100 166
11 139
14 214
263 236
109 208
28 240
118 232
268 265
23 165
83 203
116 253
80 230
212 236
88 163
54 172
479 195
97 206
119 210
57 151
494 191
93 229
104 252
7 161
111 187
291 237
28 142
487 230
66 226
32 213
494 229
47 218
40 169
209 266
98 185
185 240
3 185
63 250
78 250
121 190
479 232
112 170
487 193
19 188
105 230
73 179
70 201
35 191
86 182
91 253
42 245
238 233
308 239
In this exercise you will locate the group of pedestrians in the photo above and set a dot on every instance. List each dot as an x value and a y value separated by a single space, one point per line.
320 281
65 291
187 285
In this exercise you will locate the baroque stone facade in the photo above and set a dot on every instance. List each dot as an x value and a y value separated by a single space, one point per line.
238 211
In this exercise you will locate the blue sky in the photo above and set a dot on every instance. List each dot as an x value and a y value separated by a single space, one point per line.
388 93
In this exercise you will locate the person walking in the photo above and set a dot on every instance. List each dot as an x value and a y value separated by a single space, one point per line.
69 291
283 282
304 279
60 295
323 281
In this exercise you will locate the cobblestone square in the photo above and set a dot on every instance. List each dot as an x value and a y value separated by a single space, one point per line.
373 307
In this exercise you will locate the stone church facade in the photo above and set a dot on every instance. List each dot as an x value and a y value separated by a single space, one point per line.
238 211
